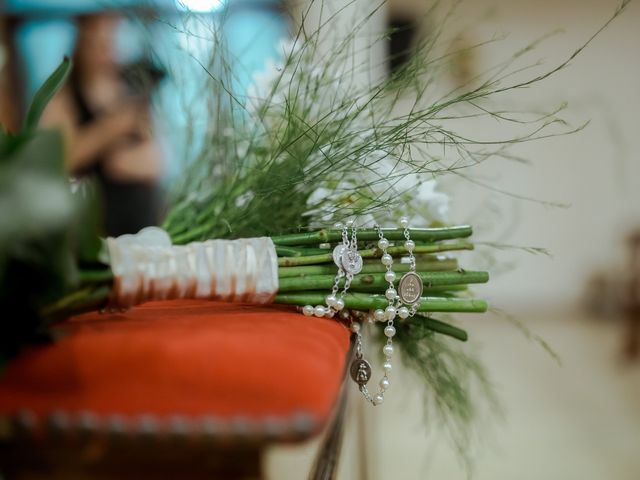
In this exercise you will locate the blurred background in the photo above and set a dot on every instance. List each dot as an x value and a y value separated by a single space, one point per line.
577 420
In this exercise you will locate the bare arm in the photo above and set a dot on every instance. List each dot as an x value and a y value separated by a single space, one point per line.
86 143
142 162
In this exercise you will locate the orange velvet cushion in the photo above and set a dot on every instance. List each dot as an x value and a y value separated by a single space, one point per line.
184 358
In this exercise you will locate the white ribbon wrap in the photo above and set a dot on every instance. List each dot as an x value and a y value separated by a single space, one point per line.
146 266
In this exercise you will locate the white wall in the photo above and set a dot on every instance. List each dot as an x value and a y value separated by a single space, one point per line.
596 171
334 20
579 421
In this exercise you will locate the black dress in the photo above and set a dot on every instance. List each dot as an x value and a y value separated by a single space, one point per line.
128 206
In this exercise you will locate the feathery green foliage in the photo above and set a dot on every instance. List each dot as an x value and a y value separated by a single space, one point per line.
312 143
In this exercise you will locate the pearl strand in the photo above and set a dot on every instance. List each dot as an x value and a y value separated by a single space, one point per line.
395 307
388 315
333 303
410 245
397 302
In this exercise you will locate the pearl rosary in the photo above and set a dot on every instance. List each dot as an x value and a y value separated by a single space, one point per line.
410 286
403 302
349 263
360 365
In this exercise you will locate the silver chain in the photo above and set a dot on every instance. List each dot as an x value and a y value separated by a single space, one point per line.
410 245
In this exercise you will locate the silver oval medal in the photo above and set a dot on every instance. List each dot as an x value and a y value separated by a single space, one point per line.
351 261
410 288
360 371
337 255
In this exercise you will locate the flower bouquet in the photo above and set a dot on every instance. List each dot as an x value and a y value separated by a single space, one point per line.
401 278
283 200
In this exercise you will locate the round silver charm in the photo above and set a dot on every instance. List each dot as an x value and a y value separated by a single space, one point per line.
410 288
360 371
351 261
337 255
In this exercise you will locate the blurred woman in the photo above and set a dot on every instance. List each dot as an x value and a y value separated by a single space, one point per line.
108 129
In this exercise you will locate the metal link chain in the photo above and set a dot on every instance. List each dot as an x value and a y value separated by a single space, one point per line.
412 267
340 273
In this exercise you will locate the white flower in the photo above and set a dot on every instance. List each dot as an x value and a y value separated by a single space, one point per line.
288 47
320 194
243 199
436 204
263 82
242 148
313 88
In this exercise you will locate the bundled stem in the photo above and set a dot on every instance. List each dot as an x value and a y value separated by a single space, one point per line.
443 328
431 265
319 282
366 234
307 274
375 253
366 302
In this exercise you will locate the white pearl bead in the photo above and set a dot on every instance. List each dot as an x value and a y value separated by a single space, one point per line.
338 304
387 367
330 300
383 243
379 315
390 312
355 327
388 349
404 222
410 245
307 310
378 399
330 313
390 293
390 276
389 331
386 259
403 312
319 311
344 315
384 383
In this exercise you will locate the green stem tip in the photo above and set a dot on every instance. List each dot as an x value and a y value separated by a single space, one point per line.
374 253
377 280
365 302
367 234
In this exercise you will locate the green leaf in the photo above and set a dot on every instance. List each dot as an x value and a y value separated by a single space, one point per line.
86 227
45 93
42 150
8 144
34 192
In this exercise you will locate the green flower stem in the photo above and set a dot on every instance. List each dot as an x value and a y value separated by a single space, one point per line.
171 222
417 235
299 252
377 280
442 327
440 289
369 267
374 253
96 276
66 301
82 300
93 301
190 235
361 301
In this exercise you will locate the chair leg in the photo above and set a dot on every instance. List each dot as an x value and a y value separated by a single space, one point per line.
325 465
33 461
